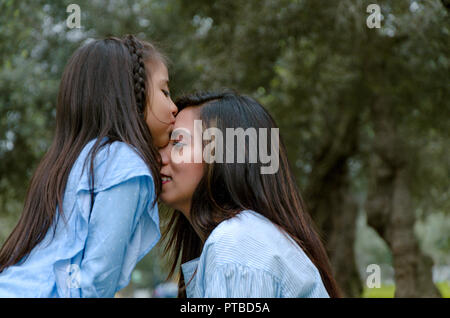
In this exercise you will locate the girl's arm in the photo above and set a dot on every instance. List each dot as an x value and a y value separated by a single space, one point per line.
111 227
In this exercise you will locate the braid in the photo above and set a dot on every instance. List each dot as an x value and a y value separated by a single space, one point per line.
139 76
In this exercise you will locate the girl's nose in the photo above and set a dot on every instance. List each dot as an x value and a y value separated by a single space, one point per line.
173 108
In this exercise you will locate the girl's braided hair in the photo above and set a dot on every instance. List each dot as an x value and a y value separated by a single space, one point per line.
89 107
141 52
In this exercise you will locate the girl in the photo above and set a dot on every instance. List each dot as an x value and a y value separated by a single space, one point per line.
90 213
237 232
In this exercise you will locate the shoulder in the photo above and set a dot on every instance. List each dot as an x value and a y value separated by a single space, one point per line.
114 163
251 243
248 239
236 225
252 240
246 227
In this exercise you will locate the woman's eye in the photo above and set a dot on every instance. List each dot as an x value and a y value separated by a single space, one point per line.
177 143
166 92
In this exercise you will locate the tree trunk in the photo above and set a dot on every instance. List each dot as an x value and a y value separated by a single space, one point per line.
331 204
389 207
343 213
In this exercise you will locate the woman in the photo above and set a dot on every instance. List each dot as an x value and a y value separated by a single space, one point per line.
90 212
238 232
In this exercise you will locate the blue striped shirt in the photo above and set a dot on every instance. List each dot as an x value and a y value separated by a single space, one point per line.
248 256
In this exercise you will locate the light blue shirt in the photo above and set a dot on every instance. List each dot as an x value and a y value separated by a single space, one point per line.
94 252
248 256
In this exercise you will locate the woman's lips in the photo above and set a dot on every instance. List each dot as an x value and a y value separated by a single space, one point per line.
165 179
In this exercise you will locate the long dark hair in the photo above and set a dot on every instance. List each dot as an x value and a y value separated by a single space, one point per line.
228 188
103 93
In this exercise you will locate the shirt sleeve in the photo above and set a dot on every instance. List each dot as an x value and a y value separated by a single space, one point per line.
238 281
111 225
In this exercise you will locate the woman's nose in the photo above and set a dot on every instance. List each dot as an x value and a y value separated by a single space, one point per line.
164 152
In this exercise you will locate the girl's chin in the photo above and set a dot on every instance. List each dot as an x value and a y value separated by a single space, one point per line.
161 143
163 138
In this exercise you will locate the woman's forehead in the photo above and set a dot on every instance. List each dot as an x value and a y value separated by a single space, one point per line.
185 119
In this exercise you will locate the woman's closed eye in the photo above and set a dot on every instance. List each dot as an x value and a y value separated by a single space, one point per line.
166 92
179 138
177 143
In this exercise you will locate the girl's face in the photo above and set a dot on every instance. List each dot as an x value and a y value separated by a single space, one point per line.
161 110
181 179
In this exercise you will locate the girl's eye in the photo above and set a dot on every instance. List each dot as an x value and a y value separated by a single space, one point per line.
166 92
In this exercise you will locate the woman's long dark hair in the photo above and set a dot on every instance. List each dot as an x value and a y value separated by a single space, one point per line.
103 93
228 188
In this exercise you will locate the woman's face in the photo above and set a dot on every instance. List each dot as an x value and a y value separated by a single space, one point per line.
161 110
181 179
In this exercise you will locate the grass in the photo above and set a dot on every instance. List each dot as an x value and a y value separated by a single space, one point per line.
387 291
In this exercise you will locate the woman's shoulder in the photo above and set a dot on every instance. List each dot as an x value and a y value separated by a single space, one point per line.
252 241
245 224
251 238
114 163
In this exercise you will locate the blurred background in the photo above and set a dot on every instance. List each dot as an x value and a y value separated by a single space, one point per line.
364 112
